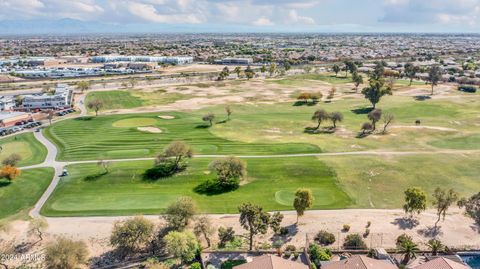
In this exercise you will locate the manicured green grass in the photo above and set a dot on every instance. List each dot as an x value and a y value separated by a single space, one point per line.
123 191
406 82
18 196
96 137
26 145
115 99
379 181
125 99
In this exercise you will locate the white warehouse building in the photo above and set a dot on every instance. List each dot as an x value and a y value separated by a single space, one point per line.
61 98
154 59
7 103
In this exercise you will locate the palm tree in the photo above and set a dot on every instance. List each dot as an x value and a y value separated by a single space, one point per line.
435 245
409 249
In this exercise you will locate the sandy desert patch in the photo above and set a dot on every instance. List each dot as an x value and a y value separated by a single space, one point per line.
149 129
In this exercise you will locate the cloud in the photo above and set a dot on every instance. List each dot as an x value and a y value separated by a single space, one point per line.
263 22
294 18
432 12
149 13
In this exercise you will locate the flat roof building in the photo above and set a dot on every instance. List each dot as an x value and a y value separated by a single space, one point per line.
143 59
61 98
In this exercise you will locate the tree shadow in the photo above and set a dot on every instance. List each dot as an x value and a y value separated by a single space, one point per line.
303 103
422 97
323 130
292 232
222 121
431 231
363 110
94 177
202 126
363 134
85 118
406 223
5 183
211 187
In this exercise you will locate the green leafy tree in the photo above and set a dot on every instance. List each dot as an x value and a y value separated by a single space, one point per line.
96 105
415 201
238 71
249 72
410 72
472 207
131 235
409 250
254 220
230 170
319 116
303 201
435 246
276 221
374 116
182 245
357 80
203 227
287 66
354 241
376 90
336 69
263 69
336 117
176 153
179 213
225 235
12 160
83 86
434 76
65 253
442 200
209 118
272 69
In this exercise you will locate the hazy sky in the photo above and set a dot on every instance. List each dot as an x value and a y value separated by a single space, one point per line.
256 15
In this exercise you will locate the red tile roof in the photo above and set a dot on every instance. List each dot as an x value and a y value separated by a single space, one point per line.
441 263
359 262
271 262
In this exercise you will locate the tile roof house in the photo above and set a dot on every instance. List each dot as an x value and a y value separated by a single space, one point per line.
441 263
271 262
359 262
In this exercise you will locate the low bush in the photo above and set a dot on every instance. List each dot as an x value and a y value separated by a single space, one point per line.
354 241
345 228
325 238
467 88
318 254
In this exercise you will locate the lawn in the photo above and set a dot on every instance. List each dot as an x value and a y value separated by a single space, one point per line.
273 129
26 145
379 181
19 196
126 99
270 183
118 137
115 99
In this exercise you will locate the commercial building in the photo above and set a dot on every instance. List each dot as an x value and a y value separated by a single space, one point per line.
237 61
7 103
8 119
61 98
143 59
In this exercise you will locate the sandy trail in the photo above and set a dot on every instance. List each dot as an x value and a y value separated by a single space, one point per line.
386 225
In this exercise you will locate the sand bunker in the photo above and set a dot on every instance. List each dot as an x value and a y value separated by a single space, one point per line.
153 130
166 117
